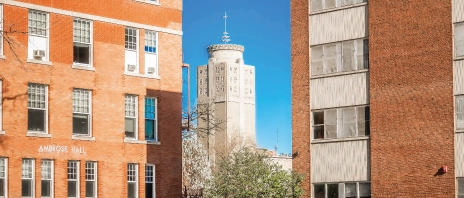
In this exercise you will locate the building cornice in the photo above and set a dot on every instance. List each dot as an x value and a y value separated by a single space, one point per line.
217 47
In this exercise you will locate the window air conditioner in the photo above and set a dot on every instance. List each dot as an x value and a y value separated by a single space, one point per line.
151 70
130 67
38 54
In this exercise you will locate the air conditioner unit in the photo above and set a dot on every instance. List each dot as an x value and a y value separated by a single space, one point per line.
151 70
130 67
38 54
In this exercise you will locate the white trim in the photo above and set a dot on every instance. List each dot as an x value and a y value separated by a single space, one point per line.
1 107
37 134
52 173
78 186
136 113
95 185
46 132
149 2
337 8
81 67
33 176
141 142
136 178
39 62
90 65
153 178
91 17
89 135
84 138
142 75
1 29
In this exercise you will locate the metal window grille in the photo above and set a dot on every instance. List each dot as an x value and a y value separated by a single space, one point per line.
37 23
81 31
130 106
36 96
150 42
131 39
149 173
81 101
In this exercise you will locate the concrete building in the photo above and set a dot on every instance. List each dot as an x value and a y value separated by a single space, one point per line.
227 85
91 98
377 90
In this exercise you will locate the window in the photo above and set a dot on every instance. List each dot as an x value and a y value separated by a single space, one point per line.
339 57
82 42
73 179
150 181
3 177
151 123
38 35
90 179
459 112
131 52
131 116
151 51
47 178
132 181
319 5
37 106
341 123
81 112
345 190
27 178
460 186
459 39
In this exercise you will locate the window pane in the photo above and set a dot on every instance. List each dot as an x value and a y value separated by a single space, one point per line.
81 54
316 5
318 117
461 186
332 190
364 190
318 132
26 188
72 188
36 120
460 112
349 122
350 190
329 4
2 187
131 190
80 124
130 127
149 129
348 2
319 191
363 128
149 190
459 39
317 67
46 188
330 117
348 56
362 53
89 189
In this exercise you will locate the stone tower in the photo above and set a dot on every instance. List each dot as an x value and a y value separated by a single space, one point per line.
227 86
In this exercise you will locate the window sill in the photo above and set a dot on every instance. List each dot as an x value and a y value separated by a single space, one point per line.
85 138
339 74
2 56
142 75
83 67
459 130
39 62
148 2
133 141
38 134
2 132
339 140
459 58
338 8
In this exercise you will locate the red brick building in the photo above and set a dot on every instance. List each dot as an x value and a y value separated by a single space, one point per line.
91 98
378 97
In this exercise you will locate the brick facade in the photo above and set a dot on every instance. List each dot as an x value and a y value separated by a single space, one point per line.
108 83
300 90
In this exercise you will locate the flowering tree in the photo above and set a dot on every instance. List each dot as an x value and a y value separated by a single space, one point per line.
196 169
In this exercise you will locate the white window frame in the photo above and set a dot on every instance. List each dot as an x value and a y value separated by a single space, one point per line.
1 29
135 117
73 164
156 53
151 179
457 186
1 104
459 113
339 123
136 50
338 4
155 120
154 2
47 33
91 174
83 43
28 163
4 162
89 113
44 173
45 109
133 178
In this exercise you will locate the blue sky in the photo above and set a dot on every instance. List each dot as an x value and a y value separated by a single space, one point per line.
263 27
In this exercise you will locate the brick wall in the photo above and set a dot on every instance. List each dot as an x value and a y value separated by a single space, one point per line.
411 96
300 90
108 84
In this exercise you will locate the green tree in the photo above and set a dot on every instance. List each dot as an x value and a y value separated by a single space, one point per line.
246 173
